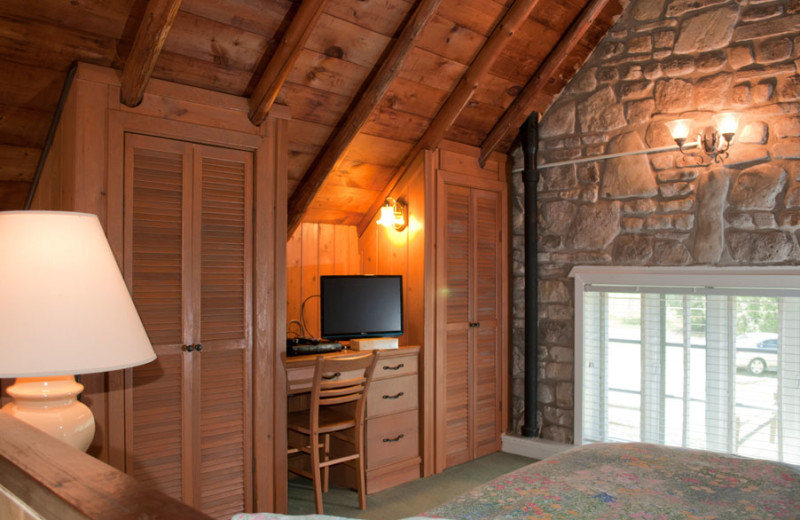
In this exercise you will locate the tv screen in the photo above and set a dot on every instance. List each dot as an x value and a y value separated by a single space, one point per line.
361 306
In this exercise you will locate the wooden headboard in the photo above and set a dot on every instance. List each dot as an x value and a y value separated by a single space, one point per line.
43 478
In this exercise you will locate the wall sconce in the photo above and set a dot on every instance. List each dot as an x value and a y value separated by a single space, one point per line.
714 142
393 214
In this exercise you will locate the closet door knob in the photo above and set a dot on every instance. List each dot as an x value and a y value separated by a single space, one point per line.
198 347
188 348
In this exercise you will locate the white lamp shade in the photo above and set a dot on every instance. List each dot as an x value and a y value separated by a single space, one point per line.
64 306
679 128
727 122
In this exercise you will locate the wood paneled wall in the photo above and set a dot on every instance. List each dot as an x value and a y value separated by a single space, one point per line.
387 251
312 251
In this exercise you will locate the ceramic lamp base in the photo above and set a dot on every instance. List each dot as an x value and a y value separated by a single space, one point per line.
50 404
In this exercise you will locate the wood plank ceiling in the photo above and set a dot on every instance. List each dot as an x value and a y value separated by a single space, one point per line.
369 83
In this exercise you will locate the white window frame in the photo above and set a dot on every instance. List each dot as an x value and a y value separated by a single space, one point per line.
736 278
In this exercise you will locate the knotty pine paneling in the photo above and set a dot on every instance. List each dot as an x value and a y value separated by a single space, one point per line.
387 251
106 18
51 46
430 69
454 42
25 127
479 16
380 17
395 124
312 251
243 14
18 163
183 69
349 41
327 73
414 98
377 150
215 42
359 175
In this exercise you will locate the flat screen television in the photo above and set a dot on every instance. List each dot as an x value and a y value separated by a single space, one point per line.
361 306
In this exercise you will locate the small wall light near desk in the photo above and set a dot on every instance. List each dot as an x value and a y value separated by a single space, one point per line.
64 310
393 214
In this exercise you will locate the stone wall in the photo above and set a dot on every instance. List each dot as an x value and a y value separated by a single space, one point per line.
663 60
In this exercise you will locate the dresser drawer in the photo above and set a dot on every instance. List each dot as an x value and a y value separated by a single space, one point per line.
393 365
392 438
397 394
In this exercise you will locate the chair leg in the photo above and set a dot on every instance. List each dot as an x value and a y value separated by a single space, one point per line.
315 473
326 471
362 485
361 478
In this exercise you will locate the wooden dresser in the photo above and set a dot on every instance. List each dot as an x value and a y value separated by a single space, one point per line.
392 431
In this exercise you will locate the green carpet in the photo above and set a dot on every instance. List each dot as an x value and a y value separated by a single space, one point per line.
409 499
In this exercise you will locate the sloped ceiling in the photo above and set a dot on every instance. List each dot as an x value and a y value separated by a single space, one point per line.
369 83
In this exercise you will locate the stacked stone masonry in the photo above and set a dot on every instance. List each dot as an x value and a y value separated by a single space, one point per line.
663 60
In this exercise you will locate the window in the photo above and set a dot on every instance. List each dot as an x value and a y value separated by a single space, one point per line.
705 358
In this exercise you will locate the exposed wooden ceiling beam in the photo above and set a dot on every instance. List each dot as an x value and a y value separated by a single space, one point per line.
460 96
150 37
522 107
271 81
355 118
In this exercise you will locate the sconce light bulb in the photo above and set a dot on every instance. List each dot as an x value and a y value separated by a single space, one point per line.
679 129
387 216
393 214
727 123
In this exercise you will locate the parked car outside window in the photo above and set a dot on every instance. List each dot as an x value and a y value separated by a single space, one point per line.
757 357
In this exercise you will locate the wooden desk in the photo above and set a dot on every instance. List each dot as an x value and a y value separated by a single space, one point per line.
392 424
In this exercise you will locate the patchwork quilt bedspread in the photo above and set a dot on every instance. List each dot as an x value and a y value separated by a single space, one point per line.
641 481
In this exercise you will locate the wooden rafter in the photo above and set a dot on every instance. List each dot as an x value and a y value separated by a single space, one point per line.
460 96
521 107
355 118
150 37
271 81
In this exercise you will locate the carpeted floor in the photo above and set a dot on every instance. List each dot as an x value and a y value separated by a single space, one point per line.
409 499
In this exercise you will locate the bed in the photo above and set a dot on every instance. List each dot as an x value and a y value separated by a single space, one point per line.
627 481
634 480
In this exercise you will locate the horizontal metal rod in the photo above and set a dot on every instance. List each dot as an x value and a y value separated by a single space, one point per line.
673 148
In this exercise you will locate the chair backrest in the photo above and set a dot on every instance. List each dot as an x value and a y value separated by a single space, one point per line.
341 380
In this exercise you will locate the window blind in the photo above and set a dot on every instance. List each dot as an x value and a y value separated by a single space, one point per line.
698 366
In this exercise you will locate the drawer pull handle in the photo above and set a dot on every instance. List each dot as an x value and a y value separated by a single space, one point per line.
395 439
396 367
332 376
399 394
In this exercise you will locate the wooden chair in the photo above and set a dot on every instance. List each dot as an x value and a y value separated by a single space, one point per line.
338 402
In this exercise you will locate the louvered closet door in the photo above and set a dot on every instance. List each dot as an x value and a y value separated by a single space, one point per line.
486 299
157 226
469 311
188 263
458 354
223 325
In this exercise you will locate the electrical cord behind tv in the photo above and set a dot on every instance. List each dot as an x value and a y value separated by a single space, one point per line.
302 315
299 334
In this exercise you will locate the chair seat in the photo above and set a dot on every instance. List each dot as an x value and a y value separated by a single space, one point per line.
329 421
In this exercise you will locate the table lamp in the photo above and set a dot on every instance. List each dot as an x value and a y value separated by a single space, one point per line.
64 310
